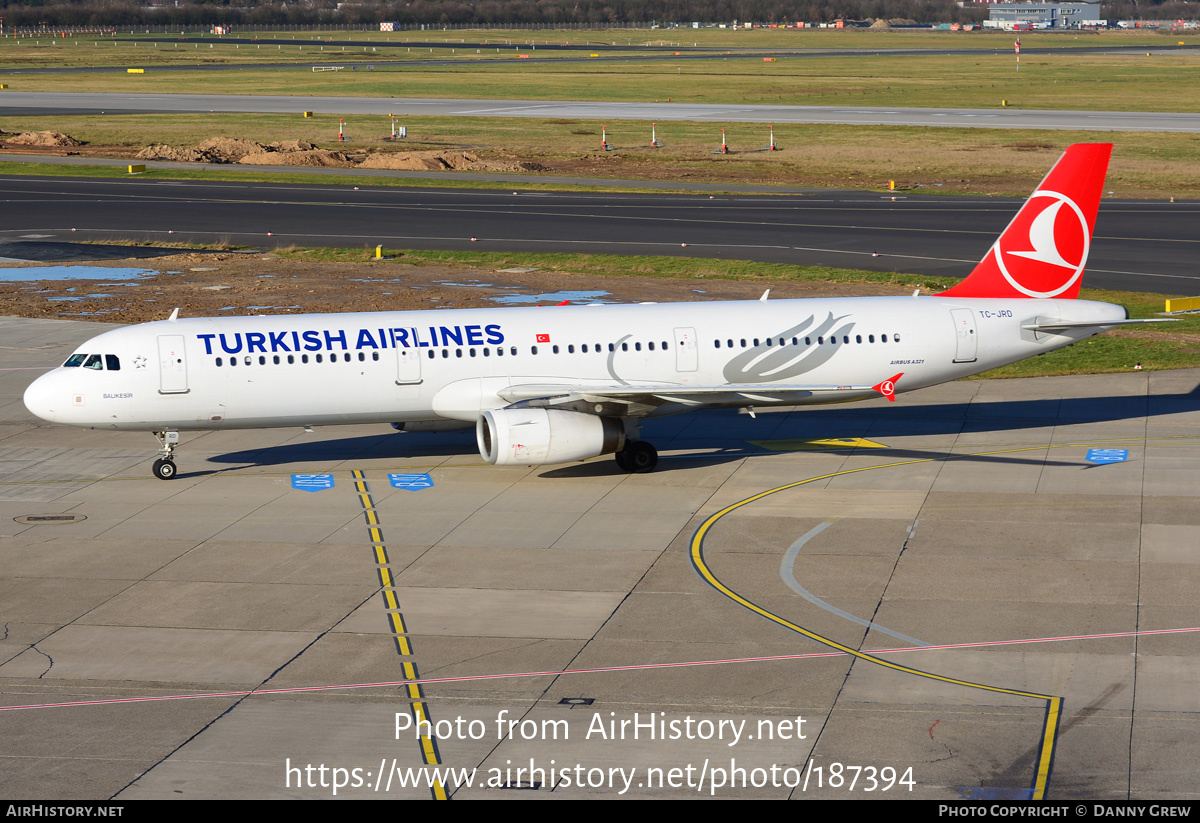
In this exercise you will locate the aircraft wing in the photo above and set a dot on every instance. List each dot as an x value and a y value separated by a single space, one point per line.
634 401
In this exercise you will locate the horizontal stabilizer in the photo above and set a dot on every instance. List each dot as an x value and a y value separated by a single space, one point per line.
1090 324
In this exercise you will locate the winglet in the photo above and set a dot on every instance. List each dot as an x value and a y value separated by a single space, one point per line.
888 387
1044 250
174 315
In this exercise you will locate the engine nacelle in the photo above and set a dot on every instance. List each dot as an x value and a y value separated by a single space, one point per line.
525 437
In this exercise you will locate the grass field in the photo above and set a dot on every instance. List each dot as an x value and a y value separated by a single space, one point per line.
976 161
181 47
1111 82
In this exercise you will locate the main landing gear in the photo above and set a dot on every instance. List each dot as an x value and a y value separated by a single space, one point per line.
164 466
638 457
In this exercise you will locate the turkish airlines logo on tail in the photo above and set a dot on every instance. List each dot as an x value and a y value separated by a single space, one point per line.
1044 250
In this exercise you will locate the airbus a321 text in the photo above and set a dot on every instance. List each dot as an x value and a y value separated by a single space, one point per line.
552 386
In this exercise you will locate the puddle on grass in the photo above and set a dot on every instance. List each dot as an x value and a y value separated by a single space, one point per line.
553 297
29 273
74 298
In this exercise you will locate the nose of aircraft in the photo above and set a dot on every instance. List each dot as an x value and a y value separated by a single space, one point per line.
43 399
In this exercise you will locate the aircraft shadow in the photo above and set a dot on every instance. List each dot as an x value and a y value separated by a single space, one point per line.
729 435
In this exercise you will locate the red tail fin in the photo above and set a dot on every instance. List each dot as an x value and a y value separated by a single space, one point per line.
1044 250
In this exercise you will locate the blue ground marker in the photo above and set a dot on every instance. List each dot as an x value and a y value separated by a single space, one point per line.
312 482
410 482
1107 455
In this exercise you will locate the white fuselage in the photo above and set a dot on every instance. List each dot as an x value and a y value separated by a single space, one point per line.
385 367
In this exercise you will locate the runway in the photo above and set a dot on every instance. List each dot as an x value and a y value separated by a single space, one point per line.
1139 245
17 103
533 615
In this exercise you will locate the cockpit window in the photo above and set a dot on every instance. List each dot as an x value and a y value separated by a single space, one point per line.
74 360
112 362
94 362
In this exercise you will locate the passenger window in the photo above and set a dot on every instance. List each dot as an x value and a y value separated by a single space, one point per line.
624 347
571 349
219 361
262 360
650 345
756 341
808 341
458 352
895 338
319 358
432 354
233 361
743 342
883 337
870 338
513 351
555 348
375 355
583 348
291 359
275 358
75 360
93 362
304 358
533 349
248 361
499 351
112 362
486 352
637 346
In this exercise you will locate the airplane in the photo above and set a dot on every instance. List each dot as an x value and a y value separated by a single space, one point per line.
569 384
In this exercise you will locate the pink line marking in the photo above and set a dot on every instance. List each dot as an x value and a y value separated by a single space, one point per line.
597 670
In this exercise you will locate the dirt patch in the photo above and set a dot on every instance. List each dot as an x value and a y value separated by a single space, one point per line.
235 284
44 139
447 161
232 149
309 157
161 151
220 150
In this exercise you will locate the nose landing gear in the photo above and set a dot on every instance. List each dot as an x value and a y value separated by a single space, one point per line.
164 467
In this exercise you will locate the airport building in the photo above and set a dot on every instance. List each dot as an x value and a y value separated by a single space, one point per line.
1042 15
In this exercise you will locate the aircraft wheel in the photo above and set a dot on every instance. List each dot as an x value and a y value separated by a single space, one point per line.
164 469
640 457
623 460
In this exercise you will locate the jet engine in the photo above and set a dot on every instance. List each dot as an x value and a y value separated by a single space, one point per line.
524 436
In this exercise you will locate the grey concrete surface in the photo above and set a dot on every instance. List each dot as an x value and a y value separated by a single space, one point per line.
81 103
516 589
